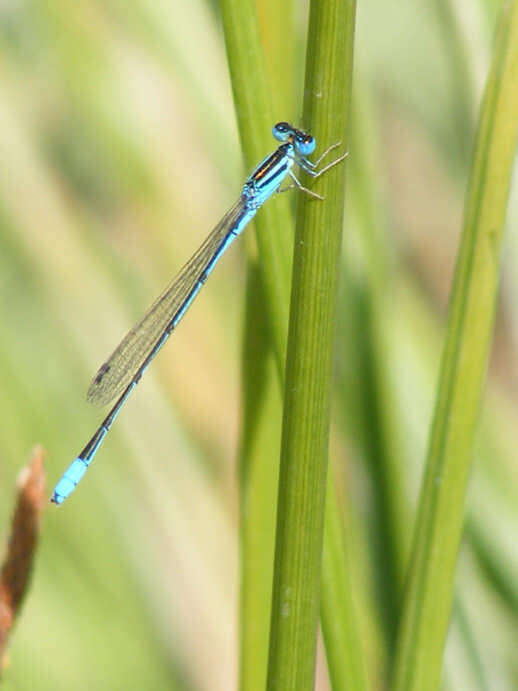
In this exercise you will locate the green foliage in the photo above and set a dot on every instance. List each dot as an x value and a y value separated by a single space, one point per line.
119 153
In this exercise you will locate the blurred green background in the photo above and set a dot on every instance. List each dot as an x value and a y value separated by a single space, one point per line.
119 152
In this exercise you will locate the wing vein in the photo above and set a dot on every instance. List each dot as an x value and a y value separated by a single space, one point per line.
127 359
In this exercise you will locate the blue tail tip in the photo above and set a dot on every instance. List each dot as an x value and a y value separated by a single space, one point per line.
69 481
57 498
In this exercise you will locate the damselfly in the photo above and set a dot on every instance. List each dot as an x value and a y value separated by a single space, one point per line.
119 375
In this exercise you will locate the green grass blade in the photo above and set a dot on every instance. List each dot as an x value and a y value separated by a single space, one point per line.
302 481
267 296
339 604
241 33
259 452
254 113
439 526
461 77
278 39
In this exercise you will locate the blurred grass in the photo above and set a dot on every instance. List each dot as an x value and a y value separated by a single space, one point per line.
427 606
116 121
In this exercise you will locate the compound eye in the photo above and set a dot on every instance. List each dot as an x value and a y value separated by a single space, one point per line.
282 131
305 144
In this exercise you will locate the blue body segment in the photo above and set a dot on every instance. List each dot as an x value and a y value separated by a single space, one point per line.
70 479
119 375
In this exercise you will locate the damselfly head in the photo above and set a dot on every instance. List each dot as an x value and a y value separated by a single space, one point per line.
283 131
303 142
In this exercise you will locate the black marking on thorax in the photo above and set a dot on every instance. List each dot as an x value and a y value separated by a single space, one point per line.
271 162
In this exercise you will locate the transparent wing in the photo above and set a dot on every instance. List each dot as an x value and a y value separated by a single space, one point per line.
129 356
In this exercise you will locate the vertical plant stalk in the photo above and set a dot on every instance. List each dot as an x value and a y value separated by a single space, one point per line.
304 452
268 297
254 115
277 24
339 604
252 97
259 471
461 74
439 525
